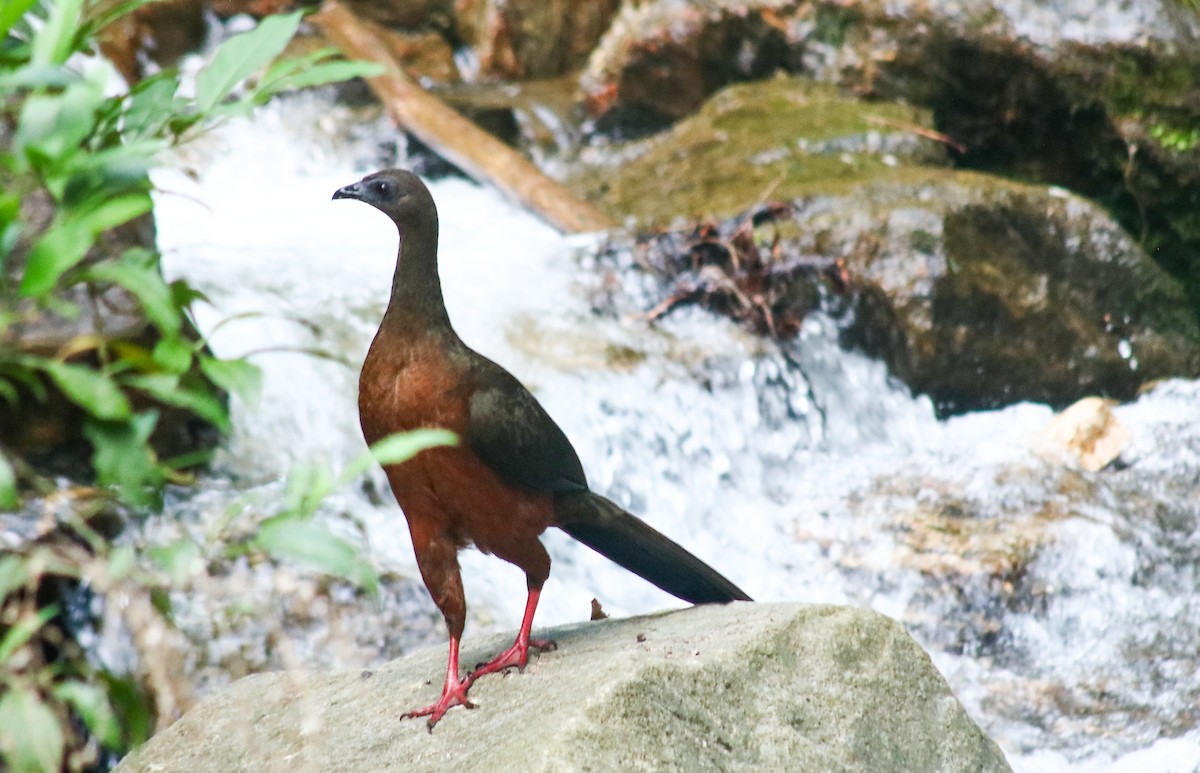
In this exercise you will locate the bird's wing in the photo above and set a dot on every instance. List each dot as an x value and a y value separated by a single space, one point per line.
514 436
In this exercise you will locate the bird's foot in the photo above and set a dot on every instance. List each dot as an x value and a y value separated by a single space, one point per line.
515 656
453 694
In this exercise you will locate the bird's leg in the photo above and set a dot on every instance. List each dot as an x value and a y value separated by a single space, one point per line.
517 655
454 693
437 558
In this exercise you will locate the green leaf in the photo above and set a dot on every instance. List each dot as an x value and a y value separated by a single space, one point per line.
90 389
150 106
122 458
121 562
173 354
31 740
62 246
306 487
172 390
312 544
137 271
11 12
98 176
23 630
57 124
312 69
329 72
53 42
9 500
403 446
13 574
33 77
70 237
91 703
398 448
185 295
243 55
114 212
181 559
132 705
236 376
10 224
23 373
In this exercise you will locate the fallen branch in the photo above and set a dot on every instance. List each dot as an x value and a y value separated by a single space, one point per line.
479 154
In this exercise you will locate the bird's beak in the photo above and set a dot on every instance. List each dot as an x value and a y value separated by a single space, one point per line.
351 191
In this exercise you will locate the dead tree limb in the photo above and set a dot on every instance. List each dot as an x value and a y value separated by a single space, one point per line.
479 154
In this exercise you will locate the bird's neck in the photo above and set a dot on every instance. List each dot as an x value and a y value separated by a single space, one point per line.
416 288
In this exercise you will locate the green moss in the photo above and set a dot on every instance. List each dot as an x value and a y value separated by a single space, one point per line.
1136 85
1180 139
776 139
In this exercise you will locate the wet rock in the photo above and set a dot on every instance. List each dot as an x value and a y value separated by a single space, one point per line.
510 40
1087 433
1013 560
661 60
519 39
159 33
406 14
977 291
981 293
850 690
1100 98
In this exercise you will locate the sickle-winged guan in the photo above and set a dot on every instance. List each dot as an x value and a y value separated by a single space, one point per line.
513 475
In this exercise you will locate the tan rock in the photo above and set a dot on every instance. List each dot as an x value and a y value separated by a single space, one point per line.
1087 432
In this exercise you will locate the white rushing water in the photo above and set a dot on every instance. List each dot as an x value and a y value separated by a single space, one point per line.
791 479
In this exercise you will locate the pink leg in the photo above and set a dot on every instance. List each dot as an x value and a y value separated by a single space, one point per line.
518 654
453 694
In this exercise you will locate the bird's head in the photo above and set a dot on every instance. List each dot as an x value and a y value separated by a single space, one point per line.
396 193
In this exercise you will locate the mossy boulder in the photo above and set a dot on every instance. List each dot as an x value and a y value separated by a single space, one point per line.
988 294
976 290
1103 99
777 139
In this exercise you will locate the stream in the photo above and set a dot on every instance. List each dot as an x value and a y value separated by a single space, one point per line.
800 470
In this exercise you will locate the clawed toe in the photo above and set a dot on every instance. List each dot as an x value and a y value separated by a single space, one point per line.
516 656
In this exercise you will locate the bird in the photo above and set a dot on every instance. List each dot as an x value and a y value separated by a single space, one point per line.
514 473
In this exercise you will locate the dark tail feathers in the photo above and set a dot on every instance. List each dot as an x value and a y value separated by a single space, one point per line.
626 540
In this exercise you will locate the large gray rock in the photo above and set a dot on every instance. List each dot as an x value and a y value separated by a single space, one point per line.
749 686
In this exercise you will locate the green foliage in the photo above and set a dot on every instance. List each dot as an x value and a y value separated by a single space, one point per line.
31 739
43 692
82 153
1180 140
87 152
9 499
241 56
294 536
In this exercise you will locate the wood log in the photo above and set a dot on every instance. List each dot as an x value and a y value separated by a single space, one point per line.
457 139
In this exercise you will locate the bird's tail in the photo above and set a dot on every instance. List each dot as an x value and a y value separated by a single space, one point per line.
627 540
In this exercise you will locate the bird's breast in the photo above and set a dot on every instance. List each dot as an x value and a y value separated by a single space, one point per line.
409 384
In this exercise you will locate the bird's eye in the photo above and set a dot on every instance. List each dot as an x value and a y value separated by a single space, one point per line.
382 188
